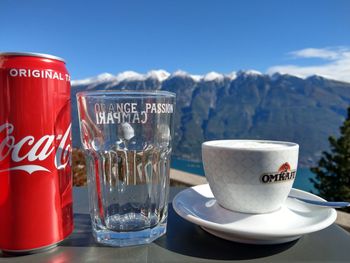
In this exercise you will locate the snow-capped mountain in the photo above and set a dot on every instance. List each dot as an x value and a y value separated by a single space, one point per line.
243 104
160 75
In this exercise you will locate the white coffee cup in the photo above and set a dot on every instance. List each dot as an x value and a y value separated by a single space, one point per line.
250 176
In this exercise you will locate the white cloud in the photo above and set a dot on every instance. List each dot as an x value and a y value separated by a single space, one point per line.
324 53
336 63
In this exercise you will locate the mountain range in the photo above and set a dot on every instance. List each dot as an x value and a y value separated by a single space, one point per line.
239 105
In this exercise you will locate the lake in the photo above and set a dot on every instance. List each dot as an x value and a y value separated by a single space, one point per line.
302 180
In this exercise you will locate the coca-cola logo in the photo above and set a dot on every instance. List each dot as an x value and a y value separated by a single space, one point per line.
39 150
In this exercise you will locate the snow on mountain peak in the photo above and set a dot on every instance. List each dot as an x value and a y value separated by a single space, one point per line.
180 73
250 72
275 76
253 72
160 74
184 74
104 77
211 76
129 75
232 75
196 78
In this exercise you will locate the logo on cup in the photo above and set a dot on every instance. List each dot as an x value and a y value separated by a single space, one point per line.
284 173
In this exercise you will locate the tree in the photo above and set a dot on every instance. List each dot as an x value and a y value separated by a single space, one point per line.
333 171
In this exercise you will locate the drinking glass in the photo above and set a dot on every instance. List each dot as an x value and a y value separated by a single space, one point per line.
126 137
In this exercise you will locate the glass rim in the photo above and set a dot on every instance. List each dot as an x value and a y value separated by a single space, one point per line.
126 94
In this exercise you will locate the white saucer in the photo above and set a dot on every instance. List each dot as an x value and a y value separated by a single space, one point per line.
294 219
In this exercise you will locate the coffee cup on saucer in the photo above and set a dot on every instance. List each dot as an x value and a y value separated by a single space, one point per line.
250 176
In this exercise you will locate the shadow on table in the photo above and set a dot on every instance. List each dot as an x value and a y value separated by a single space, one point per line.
183 238
82 235
189 239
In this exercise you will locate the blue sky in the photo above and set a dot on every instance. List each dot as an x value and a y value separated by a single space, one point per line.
196 36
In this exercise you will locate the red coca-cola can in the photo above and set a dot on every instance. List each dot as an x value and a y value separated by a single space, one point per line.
35 152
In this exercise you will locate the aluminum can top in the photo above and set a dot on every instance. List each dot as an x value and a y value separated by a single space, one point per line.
31 54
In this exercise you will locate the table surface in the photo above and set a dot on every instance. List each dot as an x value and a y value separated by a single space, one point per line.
186 242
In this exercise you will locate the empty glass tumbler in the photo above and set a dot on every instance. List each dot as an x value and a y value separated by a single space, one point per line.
126 136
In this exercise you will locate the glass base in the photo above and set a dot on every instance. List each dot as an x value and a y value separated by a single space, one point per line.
122 239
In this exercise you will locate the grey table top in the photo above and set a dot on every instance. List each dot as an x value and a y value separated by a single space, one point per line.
186 242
